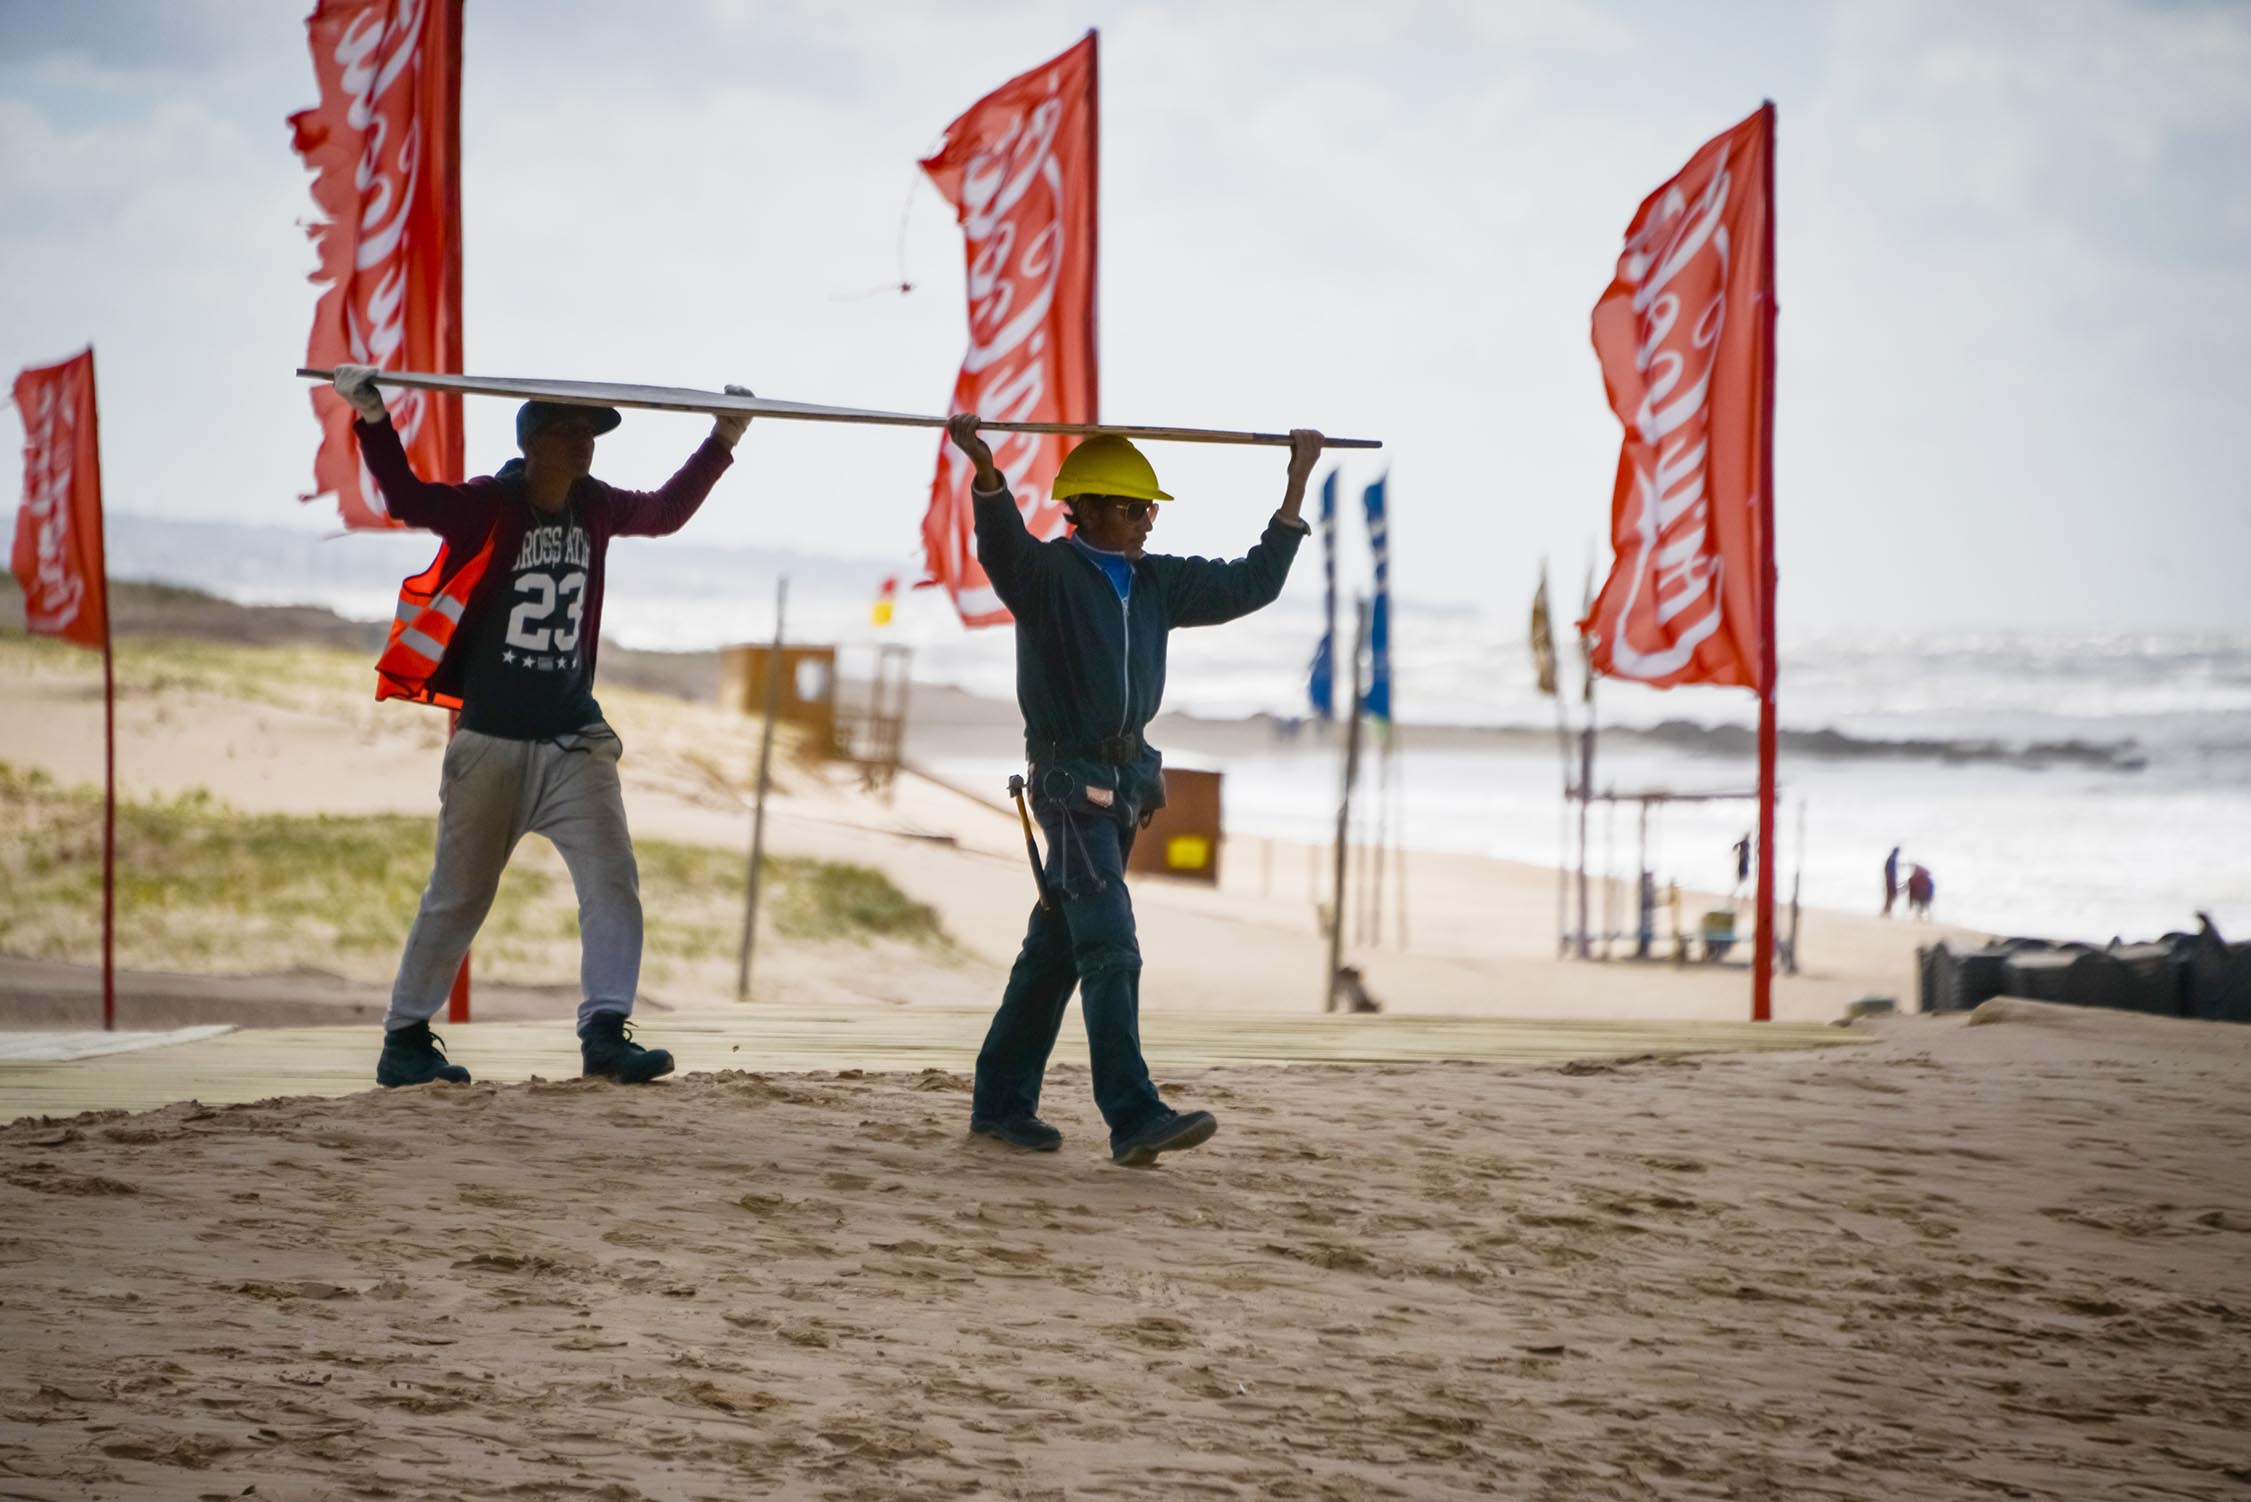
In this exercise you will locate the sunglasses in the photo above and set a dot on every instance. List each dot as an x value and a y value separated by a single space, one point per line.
1132 511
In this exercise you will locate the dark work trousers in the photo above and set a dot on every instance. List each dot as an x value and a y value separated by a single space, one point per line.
1087 940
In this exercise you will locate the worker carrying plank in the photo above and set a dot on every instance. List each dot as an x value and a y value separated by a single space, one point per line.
504 627
1092 614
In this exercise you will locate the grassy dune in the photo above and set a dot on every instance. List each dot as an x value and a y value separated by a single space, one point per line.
284 676
205 887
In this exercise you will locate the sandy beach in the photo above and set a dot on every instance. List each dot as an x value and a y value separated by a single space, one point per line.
1621 627
1947 1257
1959 1261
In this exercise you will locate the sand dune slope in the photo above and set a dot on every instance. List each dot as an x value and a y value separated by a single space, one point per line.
1961 1262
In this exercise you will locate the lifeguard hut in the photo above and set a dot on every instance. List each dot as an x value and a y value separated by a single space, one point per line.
1184 838
858 719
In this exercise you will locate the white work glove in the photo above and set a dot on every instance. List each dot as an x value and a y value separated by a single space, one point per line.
728 428
356 384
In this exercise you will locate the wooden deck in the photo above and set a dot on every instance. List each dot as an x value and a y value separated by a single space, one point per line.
257 1064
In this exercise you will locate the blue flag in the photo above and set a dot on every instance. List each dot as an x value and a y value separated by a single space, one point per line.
1321 687
1378 699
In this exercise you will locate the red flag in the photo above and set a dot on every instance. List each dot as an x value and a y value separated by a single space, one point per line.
1019 169
385 145
1685 336
58 550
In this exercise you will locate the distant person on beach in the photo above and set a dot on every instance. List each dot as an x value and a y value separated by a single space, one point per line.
1920 890
1742 861
1891 880
1093 611
505 626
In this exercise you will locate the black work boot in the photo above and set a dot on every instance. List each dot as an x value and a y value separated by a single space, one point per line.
606 1048
1168 1133
413 1055
1027 1132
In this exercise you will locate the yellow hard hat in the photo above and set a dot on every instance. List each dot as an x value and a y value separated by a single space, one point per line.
1108 465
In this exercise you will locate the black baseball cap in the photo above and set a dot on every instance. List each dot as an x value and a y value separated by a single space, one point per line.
533 416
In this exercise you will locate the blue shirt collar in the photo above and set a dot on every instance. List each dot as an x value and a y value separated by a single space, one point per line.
1116 566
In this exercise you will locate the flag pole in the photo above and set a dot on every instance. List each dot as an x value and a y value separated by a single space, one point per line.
772 707
457 995
1344 812
1329 590
109 816
109 754
1563 837
1762 965
448 331
1586 766
1551 683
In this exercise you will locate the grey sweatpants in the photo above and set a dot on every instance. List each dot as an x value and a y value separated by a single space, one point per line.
491 794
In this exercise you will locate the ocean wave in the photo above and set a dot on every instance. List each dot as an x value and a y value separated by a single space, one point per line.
1737 741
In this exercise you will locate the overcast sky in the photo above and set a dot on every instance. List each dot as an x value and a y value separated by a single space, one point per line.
2014 248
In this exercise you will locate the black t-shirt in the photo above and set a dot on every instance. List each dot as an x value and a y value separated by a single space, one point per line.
528 676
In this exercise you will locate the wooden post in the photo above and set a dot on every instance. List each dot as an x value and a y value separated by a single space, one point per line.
1563 869
1371 854
1344 813
1563 832
1399 841
765 780
1642 886
1790 952
896 749
1609 869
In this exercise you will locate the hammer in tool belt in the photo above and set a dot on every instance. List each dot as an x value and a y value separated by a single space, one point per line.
1031 846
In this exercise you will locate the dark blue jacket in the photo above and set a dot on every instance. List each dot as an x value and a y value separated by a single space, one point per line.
1091 667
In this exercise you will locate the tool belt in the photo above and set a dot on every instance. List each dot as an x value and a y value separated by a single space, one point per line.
1113 751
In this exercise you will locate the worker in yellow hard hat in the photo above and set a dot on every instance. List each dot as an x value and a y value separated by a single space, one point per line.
1092 614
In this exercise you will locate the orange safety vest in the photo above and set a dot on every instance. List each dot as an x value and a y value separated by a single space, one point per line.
429 612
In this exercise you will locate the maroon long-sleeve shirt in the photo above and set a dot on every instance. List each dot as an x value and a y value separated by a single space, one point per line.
495 506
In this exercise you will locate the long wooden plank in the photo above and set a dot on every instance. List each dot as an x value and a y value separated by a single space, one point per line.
690 399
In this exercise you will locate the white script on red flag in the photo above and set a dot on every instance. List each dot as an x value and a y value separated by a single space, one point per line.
1019 168
384 143
57 554
1685 355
